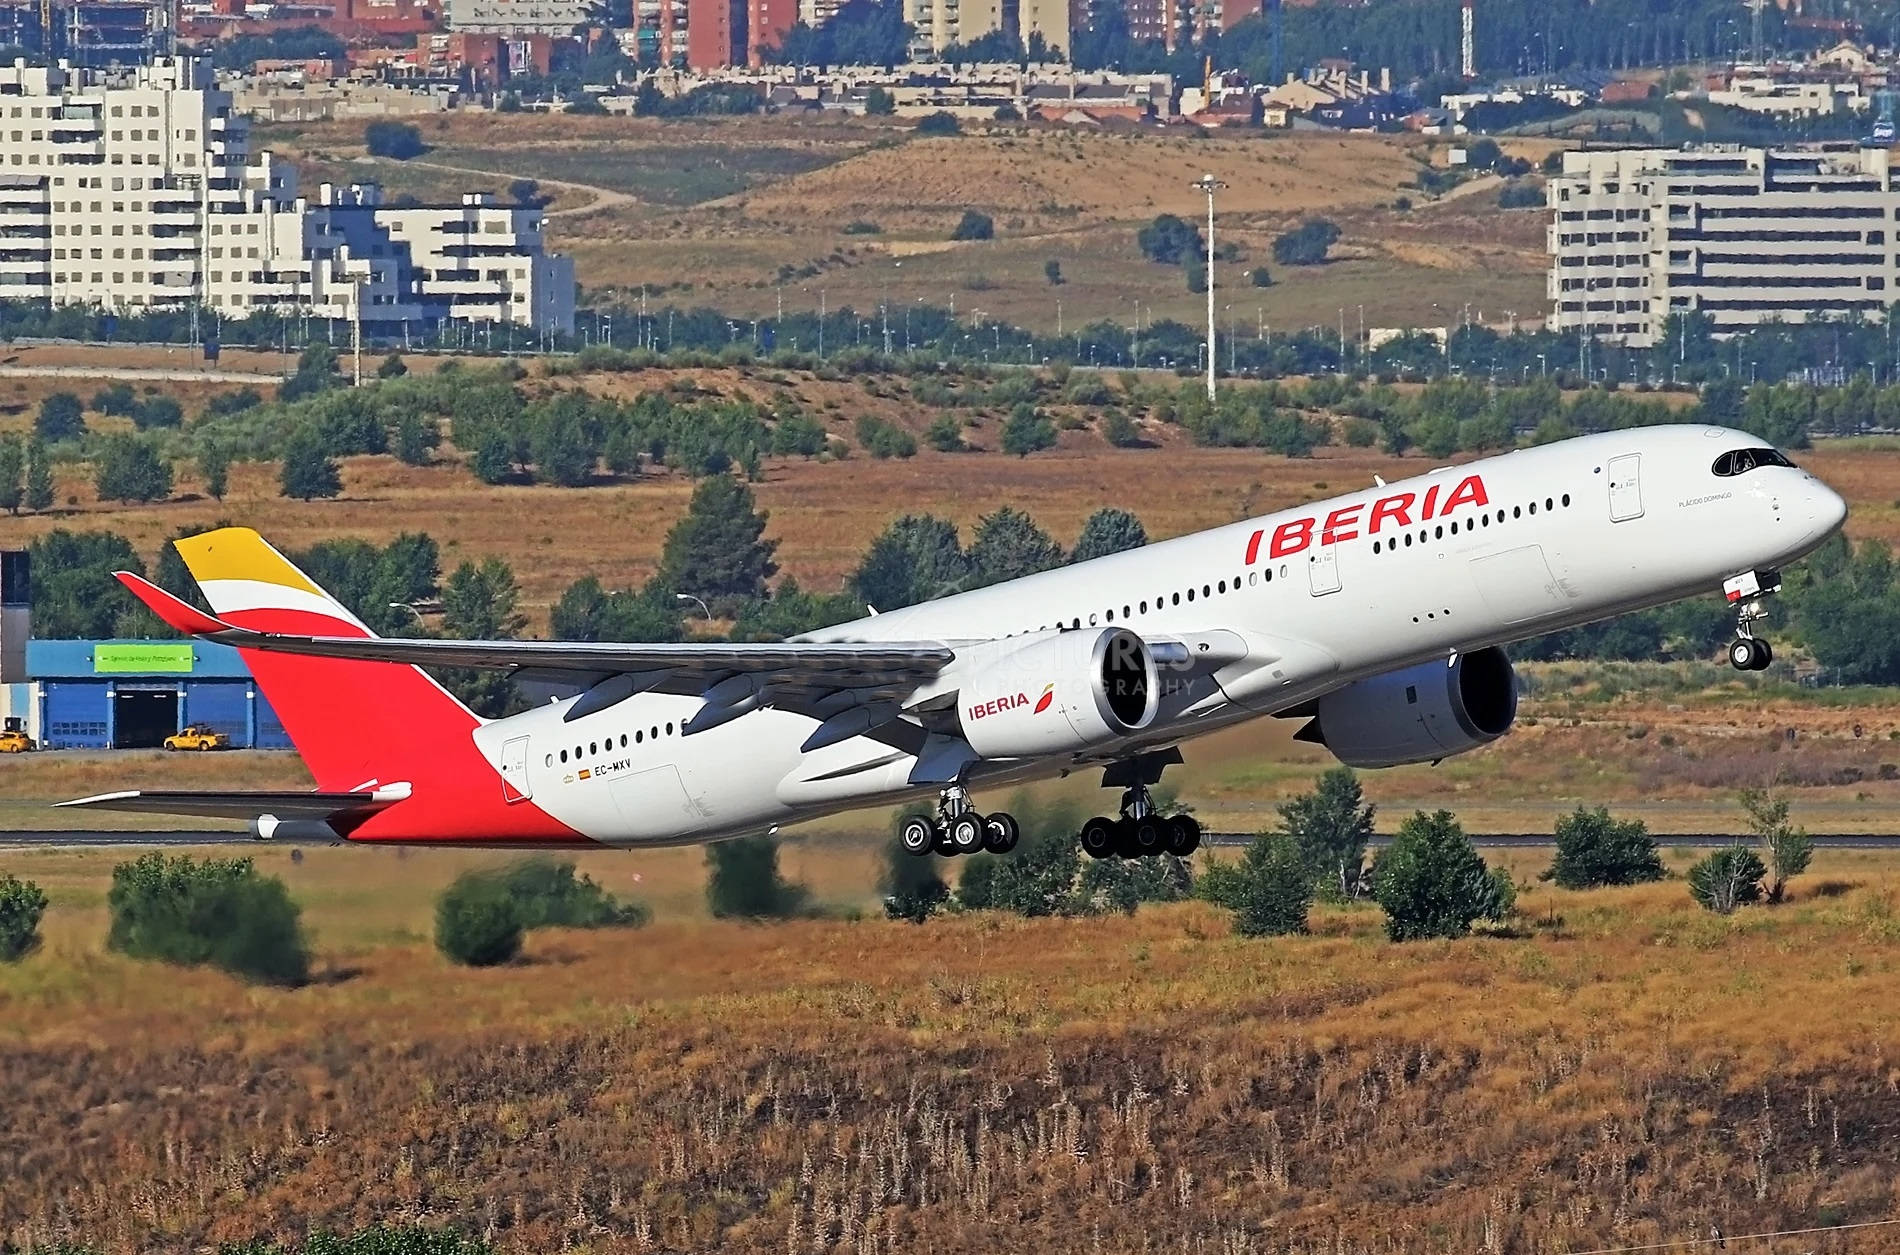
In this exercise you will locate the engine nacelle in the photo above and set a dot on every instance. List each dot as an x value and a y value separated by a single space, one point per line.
1421 714
1068 691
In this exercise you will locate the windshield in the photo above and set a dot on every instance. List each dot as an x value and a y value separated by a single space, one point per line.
1742 461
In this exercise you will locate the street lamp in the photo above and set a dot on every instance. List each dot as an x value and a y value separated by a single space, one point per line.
696 601
1208 184
403 605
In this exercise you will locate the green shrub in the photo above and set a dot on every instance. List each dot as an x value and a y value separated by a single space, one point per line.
61 417
910 884
218 912
745 882
945 435
115 399
1726 879
1306 244
22 903
1431 881
1027 431
1330 828
939 123
885 440
477 921
1271 889
1786 848
1594 849
1520 194
548 894
974 225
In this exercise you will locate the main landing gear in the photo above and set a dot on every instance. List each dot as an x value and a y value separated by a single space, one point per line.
959 828
1139 832
1745 592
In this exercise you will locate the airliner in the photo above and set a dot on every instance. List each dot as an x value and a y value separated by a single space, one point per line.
1378 619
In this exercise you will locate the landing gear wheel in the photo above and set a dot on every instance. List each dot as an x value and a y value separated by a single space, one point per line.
1764 655
1098 838
917 836
1000 832
1743 653
1184 836
1147 836
966 833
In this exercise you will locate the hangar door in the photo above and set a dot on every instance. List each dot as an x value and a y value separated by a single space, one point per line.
143 715
77 714
222 705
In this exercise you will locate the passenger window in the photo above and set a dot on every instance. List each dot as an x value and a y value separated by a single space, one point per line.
623 740
636 738
563 755
592 749
1566 501
669 729
1177 599
1533 507
1190 594
1223 586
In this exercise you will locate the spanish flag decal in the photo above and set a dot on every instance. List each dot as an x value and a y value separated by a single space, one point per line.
1048 695
585 773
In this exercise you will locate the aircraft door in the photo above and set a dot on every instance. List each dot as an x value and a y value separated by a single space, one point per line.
1626 488
1322 570
515 786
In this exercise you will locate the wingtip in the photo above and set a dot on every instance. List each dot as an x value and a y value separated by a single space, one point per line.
173 612
99 799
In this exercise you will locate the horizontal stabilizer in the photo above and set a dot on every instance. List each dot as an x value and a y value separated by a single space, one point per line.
174 613
286 804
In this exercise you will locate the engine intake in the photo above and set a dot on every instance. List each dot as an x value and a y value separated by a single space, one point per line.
1420 714
1061 693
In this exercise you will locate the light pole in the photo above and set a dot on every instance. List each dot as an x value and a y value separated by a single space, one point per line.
403 605
696 601
1208 184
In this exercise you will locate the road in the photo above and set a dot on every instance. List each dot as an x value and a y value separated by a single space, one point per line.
1496 840
168 374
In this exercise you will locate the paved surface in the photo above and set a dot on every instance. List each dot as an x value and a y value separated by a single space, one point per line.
1504 840
172 374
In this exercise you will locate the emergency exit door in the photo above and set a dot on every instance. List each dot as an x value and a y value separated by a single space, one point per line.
1626 488
514 770
1322 570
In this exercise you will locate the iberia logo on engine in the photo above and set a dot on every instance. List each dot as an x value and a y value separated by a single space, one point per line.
1011 701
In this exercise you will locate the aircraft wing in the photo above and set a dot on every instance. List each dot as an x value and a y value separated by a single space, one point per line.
692 667
284 805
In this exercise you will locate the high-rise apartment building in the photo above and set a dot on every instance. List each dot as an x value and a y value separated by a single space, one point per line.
1741 235
138 190
940 23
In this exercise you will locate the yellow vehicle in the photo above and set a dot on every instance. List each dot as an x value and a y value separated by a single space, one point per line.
198 737
13 741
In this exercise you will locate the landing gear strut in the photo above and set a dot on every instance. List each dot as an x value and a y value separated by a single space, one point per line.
959 828
1139 831
1748 652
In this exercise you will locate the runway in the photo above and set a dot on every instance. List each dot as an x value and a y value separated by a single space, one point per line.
87 839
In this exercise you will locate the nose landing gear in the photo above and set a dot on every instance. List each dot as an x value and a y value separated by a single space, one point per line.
959 828
1745 592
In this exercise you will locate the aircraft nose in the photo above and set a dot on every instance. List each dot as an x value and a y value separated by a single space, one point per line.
1827 510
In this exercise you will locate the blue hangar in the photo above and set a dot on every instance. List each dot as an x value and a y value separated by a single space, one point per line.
129 694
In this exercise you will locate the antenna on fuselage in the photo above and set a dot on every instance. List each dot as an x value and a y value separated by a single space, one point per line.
1378 481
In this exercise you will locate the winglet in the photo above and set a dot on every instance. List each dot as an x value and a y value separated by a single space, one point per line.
175 613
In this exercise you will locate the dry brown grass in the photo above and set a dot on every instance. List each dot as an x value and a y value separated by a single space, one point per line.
1629 1070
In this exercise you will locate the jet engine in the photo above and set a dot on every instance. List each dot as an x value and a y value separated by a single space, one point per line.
1064 692
1420 714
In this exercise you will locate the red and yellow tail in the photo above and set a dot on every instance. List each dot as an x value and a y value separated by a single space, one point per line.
357 724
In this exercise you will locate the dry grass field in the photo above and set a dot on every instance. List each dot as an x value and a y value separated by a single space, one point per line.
727 202
1622 1069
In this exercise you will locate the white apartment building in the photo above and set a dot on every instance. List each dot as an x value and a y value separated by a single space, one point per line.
137 190
1741 235
556 18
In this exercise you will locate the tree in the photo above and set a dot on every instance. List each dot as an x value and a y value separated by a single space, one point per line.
308 471
219 912
1052 271
586 612
974 225
61 417
157 412
1431 881
1171 241
130 469
1726 879
879 103
939 123
945 434
39 476
745 882
1108 530
481 601
1028 431
214 467
494 461
397 140
1520 194
415 440
1330 827
115 398
1008 545
1306 244
477 921
910 884
393 367
915 559
548 894
718 551
1260 277
526 193
1785 848
73 592
1594 849
12 473
22 903
1273 891
1120 430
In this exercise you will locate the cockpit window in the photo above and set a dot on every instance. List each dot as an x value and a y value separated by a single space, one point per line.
1742 461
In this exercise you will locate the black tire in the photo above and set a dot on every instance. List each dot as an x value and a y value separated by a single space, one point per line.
1098 838
966 833
1184 836
1741 653
917 836
1146 837
1000 833
1764 654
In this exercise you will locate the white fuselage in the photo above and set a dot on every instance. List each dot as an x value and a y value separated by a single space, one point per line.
1351 587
